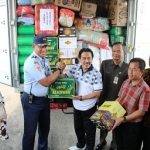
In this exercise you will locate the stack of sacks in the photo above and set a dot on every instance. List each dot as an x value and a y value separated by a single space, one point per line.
25 15
25 41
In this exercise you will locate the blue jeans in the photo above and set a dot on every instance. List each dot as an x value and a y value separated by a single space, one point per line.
36 114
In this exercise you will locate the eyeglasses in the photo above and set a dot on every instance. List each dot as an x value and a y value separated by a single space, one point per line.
133 70
42 46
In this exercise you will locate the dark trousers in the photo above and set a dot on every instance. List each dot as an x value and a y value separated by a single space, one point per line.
146 137
36 113
84 128
127 136
103 135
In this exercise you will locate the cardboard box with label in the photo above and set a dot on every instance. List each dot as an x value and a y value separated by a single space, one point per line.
88 9
62 88
117 38
53 59
52 44
68 53
70 4
118 12
67 68
106 113
67 32
67 42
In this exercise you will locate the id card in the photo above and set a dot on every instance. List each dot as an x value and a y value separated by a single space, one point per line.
115 80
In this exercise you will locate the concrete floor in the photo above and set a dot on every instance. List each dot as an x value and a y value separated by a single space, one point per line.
61 135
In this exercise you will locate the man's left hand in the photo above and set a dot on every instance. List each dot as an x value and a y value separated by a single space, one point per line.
118 121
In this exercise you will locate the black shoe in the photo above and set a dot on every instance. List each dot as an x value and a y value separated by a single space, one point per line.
100 146
112 148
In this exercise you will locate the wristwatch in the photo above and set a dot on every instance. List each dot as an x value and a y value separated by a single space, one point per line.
125 119
80 98
60 70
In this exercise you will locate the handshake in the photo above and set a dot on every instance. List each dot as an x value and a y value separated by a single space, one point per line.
60 65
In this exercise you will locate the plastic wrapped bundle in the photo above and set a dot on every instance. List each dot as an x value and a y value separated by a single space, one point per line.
24 2
24 10
95 24
25 50
34 2
66 17
97 39
25 20
26 30
46 19
25 40
22 59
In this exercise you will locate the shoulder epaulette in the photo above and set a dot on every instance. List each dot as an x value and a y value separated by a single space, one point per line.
34 56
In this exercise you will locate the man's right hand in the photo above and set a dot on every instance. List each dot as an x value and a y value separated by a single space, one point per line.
61 65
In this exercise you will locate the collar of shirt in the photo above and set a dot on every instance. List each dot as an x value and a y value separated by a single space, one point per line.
120 64
34 55
89 69
138 83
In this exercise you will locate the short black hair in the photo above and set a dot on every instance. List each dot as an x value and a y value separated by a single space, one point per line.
118 43
141 62
85 50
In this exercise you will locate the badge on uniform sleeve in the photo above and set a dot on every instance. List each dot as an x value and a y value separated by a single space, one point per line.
115 80
36 64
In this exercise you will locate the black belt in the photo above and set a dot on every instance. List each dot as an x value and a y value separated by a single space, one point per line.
46 96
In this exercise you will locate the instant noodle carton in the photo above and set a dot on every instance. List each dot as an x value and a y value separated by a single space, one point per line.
62 88
114 108
106 113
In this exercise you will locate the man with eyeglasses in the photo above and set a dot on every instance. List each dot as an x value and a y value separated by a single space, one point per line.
35 103
114 73
134 96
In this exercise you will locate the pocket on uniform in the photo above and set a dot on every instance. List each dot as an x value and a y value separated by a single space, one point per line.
24 101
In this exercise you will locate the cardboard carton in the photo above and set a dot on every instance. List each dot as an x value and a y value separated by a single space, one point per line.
62 88
106 113
67 32
88 9
116 38
68 53
118 12
53 59
52 44
67 68
70 4
114 108
67 42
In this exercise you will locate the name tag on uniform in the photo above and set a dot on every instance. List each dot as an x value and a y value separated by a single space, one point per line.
115 80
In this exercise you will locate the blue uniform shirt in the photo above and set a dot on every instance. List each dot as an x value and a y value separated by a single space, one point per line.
35 69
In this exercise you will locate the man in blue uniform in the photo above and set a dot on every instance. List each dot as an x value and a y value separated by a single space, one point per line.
35 103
